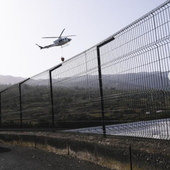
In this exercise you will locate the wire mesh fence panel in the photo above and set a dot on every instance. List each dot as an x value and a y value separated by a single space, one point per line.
135 74
123 83
10 108
76 92
36 105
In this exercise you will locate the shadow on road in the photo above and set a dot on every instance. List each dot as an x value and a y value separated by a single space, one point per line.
2 150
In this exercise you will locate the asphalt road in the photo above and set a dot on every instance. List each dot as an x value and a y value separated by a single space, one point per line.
22 158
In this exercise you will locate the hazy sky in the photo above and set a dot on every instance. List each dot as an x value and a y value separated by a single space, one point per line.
24 22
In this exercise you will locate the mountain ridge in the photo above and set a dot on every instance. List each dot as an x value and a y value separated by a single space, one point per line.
142 80
10 80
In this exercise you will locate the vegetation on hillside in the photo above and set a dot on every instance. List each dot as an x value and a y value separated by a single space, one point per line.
80 107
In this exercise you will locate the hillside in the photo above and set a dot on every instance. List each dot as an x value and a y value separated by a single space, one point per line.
142 80
10 80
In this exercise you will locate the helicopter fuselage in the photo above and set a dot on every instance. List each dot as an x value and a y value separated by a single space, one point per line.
62 41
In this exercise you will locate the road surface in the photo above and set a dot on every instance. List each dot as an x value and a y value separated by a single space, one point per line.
22 158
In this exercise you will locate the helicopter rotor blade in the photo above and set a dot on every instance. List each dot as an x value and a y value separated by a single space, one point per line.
68 35
50 37
60 37
61 32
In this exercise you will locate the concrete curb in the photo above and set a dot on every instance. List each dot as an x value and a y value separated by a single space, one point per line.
112 152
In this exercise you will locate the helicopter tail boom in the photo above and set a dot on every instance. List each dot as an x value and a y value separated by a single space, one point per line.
48 46
39 46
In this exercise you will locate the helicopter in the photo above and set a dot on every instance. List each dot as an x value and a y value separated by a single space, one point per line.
62 40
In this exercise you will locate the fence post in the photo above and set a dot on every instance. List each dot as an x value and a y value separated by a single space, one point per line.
100 81
1 107
51 99
20 101
0 111
20 105
51 93
101 90
130 156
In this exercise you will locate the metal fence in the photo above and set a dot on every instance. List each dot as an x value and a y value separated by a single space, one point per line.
121 86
